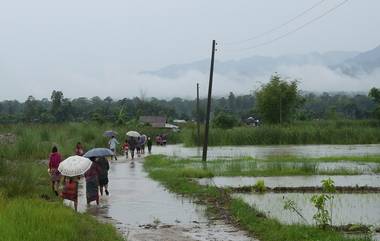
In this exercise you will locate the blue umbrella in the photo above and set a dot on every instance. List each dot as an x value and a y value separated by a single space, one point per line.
98 152
110 133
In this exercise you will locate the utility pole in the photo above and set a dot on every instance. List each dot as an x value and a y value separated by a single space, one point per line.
205 144
198 118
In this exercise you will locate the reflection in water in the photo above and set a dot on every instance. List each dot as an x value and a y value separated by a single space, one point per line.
348 208
265 151
293 181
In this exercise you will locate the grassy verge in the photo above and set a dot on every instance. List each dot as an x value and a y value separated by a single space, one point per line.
308 132
34 141
24 219
179 180
29 211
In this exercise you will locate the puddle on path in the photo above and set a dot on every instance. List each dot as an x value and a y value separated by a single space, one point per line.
348 208
293 181
215 152
136 202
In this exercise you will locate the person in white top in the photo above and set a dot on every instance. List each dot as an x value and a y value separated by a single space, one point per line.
112 143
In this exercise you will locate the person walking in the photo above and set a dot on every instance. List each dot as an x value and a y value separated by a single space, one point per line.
138 146
149 144
142 144
79 149
92 182
70 190
103 174
125 148
132 145
112 144
55 176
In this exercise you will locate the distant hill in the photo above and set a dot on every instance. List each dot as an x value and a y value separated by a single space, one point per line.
363 63
256 65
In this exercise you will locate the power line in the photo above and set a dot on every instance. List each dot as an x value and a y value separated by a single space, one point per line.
277 27
294 30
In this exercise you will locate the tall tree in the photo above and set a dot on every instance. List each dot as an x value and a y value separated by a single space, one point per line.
31 109
56 107
277 101
374 93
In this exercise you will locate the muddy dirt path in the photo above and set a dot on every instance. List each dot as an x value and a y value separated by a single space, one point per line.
143 210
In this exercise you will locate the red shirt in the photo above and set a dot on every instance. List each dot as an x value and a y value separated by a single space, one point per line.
125 146
54 160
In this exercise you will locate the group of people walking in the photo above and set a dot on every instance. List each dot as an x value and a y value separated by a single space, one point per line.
67 187
97 175
130 145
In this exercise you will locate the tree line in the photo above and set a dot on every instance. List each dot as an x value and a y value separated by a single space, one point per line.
278 101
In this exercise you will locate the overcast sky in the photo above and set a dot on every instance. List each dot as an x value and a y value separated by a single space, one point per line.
97 47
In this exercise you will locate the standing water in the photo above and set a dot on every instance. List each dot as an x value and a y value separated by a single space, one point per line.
143 210
347 208
215 152
293 181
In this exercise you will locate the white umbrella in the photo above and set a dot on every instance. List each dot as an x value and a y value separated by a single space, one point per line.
74 166
133 133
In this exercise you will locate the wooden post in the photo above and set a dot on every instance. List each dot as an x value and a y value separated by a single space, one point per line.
205 144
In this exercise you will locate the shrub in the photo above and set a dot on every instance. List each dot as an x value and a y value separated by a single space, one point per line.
224 120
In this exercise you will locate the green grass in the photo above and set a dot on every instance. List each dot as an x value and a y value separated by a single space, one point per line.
21 178
308 132
172 174
34 141
30 211
277 166
24 219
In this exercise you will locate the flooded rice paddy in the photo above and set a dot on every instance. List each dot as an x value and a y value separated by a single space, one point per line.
215 152
143 210
332 168
293 181
347 208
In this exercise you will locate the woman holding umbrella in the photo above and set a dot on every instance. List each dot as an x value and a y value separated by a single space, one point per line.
92 182
71 168
132 141
98 173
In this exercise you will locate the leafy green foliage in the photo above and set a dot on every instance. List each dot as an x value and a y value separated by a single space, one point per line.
292 206
58 109
374 93
224 120
278 100
323 217
260 186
